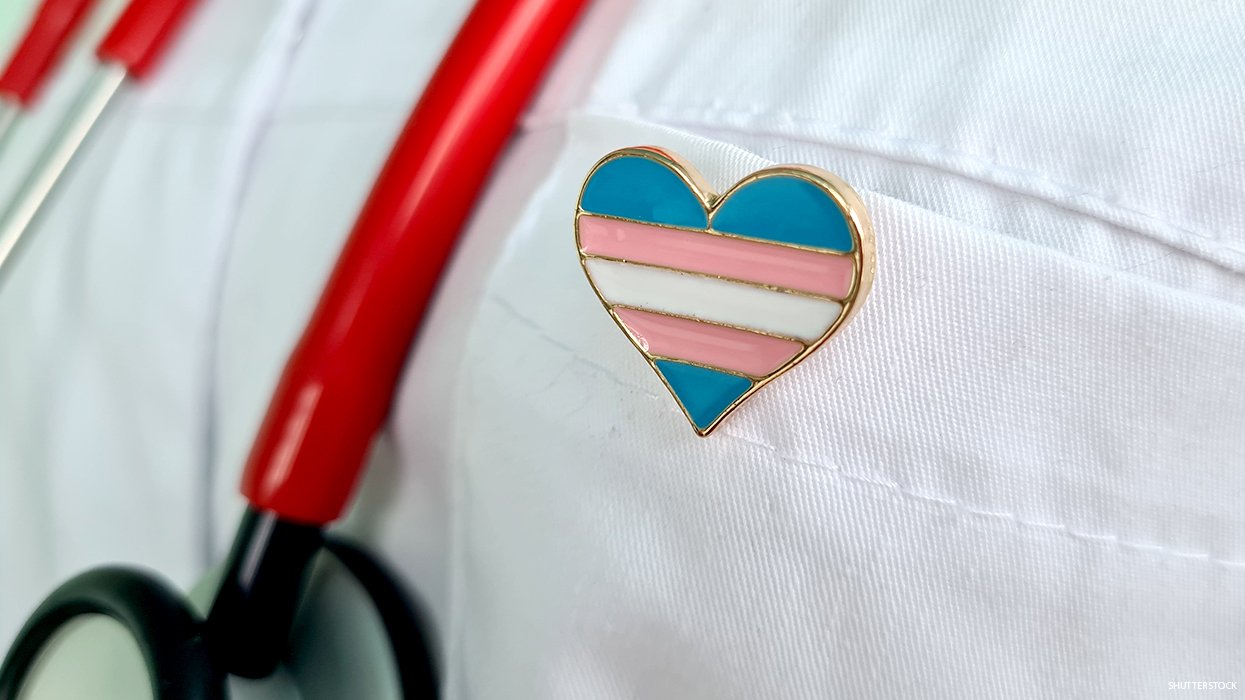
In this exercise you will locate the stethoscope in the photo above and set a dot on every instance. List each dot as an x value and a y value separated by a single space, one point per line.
339 381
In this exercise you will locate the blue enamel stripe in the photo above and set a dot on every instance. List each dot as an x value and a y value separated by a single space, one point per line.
632 187
785 209
704 393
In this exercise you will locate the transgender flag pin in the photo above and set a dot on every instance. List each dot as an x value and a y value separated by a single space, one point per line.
722 293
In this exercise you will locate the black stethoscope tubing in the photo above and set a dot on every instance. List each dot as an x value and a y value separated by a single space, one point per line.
179 660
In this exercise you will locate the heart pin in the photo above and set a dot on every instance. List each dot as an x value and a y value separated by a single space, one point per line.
722 294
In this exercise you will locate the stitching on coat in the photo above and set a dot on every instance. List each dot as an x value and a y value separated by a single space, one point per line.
1109 207
953 504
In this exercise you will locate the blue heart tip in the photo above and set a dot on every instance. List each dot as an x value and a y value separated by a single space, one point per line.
705 394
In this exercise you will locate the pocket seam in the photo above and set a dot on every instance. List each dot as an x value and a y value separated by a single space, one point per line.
1103 206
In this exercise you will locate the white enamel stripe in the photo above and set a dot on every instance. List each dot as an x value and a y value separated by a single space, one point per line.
711 299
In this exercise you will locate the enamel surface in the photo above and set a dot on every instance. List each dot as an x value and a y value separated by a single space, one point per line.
721 294
704 343
828 274
709 299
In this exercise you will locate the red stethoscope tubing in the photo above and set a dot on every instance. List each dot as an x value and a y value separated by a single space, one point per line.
339 381
336 387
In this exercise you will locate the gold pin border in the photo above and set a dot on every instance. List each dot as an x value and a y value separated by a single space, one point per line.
863 251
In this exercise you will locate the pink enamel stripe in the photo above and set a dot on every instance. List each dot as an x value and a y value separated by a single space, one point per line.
751 261
717 346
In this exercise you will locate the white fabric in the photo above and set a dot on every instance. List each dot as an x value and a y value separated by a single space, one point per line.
1018 472
732 303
